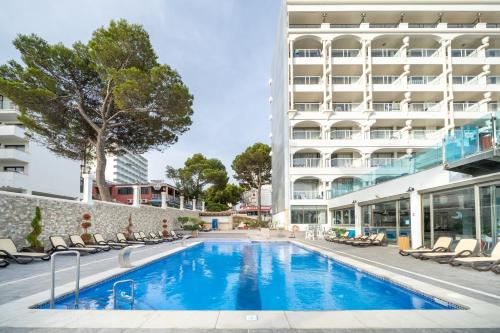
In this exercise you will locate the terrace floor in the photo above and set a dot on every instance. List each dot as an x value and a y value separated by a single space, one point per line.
19 281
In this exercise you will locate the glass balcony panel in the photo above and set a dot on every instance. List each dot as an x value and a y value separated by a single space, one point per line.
466 106
463 52
345 79
345 107
307 53
307 195
343 26
386 107
461 25
307 107
299 162
386 161
422 25
384 134
307 80
494 107
346 134
493 79
385 79
346 162
422 53
384 52
345 53
492 25
493 52
423 107
305 26
384 25
427 79
306 134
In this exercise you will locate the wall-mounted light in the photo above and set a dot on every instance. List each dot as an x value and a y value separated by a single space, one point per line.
355 201
410 189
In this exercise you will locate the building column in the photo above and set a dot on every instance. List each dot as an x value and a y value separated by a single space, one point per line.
358 219
88 183
136 198
164 200
181 202
194 204
416 219
203 206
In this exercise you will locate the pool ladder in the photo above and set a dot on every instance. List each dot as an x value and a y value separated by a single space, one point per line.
53 274
128 299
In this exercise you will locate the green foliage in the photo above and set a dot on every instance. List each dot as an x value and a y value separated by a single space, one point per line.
197 173
253 167
100 97
190 223
32 237
217 200
215 206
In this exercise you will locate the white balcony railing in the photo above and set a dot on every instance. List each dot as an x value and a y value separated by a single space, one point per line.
424 107
346 162
306 162
462 53
307 107
423 134
384 134
382 161
306 134
466 106
345 53
307 195
345 79
384 79
307 80
384 53
345 107
346 134
386 107
464 79
423 53
423 79
306 53
494 107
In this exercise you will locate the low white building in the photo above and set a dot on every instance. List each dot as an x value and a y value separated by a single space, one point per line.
250 197
28 167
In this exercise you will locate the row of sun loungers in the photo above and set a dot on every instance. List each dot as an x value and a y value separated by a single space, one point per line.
466 253
361 240
9 251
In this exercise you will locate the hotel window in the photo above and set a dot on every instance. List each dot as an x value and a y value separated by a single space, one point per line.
144 190
308 214
343 217
125 190
18 169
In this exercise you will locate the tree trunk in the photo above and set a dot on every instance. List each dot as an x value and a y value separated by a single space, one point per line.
258 203
100 171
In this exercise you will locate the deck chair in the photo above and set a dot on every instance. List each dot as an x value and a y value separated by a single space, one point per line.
99 239
58 244
137 237
154 235
442 244
77 241
156 240
4 263
480 263
179 236
345 235
349 241
168 239
120 237
464 248
378 240
368 239
8 250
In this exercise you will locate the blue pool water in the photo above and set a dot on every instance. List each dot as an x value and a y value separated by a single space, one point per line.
251 276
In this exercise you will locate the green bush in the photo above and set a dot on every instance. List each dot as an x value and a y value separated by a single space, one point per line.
32 237
190 223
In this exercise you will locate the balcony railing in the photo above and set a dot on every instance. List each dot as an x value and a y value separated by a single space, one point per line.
384 79
423 53
346 134
382 161
346 163
461 25
386 107
307 107
422 25
493 79
493 52
464 79
307 53
384 53
306 134
343 26
466 106
345 107
494 107
306 162
425 79
492 25
305 26
384 25
423 107
307 80
307 195
461 53
345 53
420 134
384 134
345 79
8 105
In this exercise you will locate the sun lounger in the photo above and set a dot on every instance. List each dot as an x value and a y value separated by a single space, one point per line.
77 241
8 250
464 248
4 263
180 236
345 235
368 239
330 234
99 239
442 244
153 239
154 235
378 240
138 237
168 239
59 244
354 239
120 237
480 263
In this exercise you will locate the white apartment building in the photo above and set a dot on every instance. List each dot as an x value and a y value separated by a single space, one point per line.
358 85
249 197
28 167
127 169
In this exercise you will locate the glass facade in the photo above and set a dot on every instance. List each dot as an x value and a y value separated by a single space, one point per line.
308 214
344 217
489 198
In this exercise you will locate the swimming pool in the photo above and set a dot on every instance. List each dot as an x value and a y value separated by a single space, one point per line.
251 276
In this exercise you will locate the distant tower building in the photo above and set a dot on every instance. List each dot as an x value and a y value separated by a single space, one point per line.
127 169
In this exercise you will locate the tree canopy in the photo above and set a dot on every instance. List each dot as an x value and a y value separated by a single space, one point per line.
219 199
97 98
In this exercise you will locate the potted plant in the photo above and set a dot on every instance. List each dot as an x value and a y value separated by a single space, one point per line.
165 232
129 230
86 224
35 244
192 224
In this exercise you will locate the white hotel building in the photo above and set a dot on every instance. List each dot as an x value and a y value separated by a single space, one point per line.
362 84
127 169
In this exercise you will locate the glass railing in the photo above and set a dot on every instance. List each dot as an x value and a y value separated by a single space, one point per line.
492 25
463 79
346 134
422 53
422 25
307 107
423 107
382 161
384 134
305 26
494 107
345 53
385 79
426 79
466 106
346 163
493 52
384 52
420 134
306 53
463 52
345 79
471 139
461 25
306 134
345 107
343 26
306 162
493 79
307 80
307 195
386 107
8 105
384 25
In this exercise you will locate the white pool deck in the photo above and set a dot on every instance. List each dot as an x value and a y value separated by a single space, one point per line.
15 314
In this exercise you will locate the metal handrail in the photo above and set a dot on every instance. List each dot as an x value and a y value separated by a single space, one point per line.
132 297
53 274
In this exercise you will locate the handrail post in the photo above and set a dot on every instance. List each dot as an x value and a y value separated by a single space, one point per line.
53 275
132 297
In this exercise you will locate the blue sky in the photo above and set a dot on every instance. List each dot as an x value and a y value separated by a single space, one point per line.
221 48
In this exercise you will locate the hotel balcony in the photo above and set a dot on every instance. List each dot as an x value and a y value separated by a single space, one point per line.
306 134
386 106
8 155
345 134
8 111
337 162
307 195
378 162
12 133
307 107
13 180
347 107
306 162
308 83
424 107
308 55
466 106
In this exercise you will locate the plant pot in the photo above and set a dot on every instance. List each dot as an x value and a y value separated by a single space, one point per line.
87 239
194 233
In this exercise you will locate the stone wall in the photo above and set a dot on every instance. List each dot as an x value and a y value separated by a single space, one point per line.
63 217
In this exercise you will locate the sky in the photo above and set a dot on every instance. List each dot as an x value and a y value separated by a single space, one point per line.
221 48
